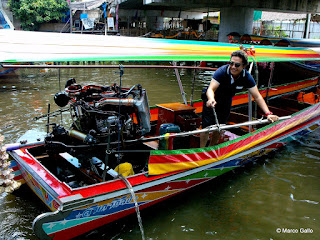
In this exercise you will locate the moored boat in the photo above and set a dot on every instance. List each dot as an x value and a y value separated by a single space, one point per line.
68 169
5 72
118 154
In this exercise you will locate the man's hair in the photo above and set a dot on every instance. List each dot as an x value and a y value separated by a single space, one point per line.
241 54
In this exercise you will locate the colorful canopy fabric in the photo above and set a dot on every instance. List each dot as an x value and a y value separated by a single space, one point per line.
23 46
294 42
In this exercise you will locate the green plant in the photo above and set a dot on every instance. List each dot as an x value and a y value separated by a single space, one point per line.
274 31
34 12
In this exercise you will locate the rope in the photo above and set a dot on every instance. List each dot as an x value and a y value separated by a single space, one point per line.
129 186
119 123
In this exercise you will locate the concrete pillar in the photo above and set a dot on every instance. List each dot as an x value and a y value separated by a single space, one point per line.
307 26
235 19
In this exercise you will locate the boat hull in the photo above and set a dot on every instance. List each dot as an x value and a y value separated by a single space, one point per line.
77 211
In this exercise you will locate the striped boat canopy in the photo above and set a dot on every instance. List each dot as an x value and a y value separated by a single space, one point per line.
24 46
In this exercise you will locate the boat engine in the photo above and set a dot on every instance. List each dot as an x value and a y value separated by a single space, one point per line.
101 113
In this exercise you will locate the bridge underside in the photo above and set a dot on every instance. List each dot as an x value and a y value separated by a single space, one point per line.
303 6
297 6
235 16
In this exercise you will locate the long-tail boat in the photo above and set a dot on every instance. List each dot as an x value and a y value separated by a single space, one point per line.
117 155
299 68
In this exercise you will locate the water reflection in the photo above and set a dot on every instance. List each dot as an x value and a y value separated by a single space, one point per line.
279 192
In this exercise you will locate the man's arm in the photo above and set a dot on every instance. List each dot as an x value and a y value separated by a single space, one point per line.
262 104
214 84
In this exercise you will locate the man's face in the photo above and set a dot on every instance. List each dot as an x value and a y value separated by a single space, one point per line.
236 66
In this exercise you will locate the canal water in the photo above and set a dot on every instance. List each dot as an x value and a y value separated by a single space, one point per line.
277 197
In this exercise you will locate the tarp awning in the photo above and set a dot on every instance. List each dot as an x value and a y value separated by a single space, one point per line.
86 5
5 22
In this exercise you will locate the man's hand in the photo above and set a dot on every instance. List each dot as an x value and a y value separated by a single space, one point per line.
272 118
211 103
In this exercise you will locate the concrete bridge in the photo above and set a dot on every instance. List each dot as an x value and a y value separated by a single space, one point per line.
235 16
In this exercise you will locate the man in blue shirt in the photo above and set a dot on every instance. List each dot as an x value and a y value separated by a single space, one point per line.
223 86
